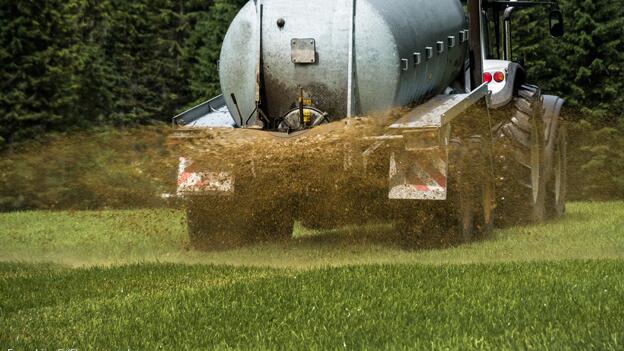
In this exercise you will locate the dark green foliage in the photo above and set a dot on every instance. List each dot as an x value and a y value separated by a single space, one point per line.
145 46
38 42
602 170
204 47
79 63
584 67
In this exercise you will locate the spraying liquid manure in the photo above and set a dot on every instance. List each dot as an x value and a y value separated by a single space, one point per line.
454 137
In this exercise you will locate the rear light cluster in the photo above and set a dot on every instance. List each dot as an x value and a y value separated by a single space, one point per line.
496 76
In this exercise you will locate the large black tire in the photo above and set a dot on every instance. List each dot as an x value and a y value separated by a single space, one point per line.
224 222
469 211
556 196
520 144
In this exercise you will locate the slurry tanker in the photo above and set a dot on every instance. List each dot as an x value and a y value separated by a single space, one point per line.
472 142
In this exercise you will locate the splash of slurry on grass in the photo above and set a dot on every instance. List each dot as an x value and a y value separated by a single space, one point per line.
319 176
590 231
270 165
132 168
110 168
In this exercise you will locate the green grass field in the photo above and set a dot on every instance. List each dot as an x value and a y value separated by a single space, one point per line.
590 231
122 280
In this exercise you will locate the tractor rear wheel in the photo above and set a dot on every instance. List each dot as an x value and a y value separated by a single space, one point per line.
521 146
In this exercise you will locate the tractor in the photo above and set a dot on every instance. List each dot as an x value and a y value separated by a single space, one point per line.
470 141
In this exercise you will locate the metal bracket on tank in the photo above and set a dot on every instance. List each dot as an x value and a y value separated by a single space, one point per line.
303 51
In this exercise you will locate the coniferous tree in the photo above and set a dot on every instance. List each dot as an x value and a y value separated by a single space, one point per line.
585 65
33 37
204 48
94 74
128 47
53 76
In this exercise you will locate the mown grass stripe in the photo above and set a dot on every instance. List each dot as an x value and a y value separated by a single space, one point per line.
566 305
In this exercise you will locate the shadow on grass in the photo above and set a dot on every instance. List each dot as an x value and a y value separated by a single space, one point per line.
364 237
574 217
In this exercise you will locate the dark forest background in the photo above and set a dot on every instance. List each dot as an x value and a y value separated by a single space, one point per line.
75 65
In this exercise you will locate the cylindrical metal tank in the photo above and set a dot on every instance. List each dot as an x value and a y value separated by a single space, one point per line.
401 51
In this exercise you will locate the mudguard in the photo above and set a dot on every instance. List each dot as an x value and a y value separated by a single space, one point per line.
503 92
420 171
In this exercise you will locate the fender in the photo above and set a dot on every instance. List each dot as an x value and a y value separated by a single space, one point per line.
503 92
420 170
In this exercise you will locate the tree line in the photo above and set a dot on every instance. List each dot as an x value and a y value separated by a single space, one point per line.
585 67
74 64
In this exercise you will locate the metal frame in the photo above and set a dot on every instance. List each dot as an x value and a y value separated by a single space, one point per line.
440 110
350 69
189 116
475 54
507 7
424 134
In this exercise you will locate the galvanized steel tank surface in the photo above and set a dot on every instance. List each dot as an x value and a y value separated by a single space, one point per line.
403 51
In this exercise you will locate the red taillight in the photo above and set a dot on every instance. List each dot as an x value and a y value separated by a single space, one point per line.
487 77
499 76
